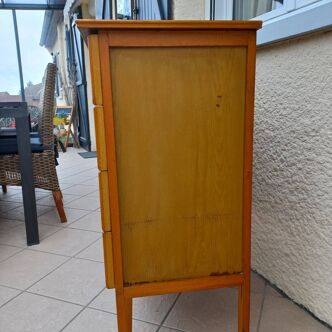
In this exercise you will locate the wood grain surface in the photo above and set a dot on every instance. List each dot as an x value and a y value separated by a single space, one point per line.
179 131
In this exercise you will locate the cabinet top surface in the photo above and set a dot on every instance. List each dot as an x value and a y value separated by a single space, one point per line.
88 27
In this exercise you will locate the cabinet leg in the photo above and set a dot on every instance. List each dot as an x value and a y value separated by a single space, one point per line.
124 309
244 308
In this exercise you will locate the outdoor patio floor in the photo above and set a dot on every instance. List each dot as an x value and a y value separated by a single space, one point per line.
59 284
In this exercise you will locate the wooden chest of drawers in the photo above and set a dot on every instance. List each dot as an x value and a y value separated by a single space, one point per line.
174 123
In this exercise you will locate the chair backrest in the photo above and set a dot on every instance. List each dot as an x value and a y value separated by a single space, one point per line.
47 105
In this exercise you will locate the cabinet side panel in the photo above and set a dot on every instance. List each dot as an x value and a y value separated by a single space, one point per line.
179 122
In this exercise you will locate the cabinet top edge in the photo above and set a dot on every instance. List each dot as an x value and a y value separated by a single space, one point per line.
88 27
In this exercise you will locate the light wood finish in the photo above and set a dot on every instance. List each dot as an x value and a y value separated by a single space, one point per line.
178 156
100 138
124 308
57 195
97 97
179 160
111 161
104 201
89 27
97 101
108 259
183 38
185 285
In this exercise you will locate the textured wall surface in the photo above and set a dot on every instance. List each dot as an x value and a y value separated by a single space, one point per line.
292 196
188 10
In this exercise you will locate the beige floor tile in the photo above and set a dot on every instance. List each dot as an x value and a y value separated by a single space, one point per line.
18 213
166 329
27 267
7 224
77 281
94 194
93 181
212 310
90 222
255 309
85 203
94 252
8 251
16 196
282 315
7 294
93 320
33 313
10 187
74 178
64 186
151 309
52 217
257 283
17 236
6 206
80 189
13 198
270 291
49 200
67 242
256 302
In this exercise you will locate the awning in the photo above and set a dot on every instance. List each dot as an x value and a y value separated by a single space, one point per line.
48 5
32 4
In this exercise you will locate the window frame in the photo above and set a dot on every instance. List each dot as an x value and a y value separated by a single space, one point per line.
294 18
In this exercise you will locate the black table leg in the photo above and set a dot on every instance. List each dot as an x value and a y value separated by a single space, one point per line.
28 190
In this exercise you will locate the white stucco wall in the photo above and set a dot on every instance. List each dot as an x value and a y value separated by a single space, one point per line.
292 193
188 10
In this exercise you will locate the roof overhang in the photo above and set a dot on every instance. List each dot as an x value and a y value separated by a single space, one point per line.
33 4
49 30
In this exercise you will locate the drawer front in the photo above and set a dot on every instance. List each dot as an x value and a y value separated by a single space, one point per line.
104 201
108 259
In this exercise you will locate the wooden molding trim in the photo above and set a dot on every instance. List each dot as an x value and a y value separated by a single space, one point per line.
88 27
185 285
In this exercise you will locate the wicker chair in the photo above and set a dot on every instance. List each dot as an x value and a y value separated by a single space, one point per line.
43 161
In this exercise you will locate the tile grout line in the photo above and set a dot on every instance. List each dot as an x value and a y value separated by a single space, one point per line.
26 289
168 312
54 207
285 296
87 248
53 298
13 254
261 308
82 309
69 256
115 314
21 292
85 170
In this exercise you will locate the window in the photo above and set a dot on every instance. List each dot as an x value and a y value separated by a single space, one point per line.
124 9
245 10
282 19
